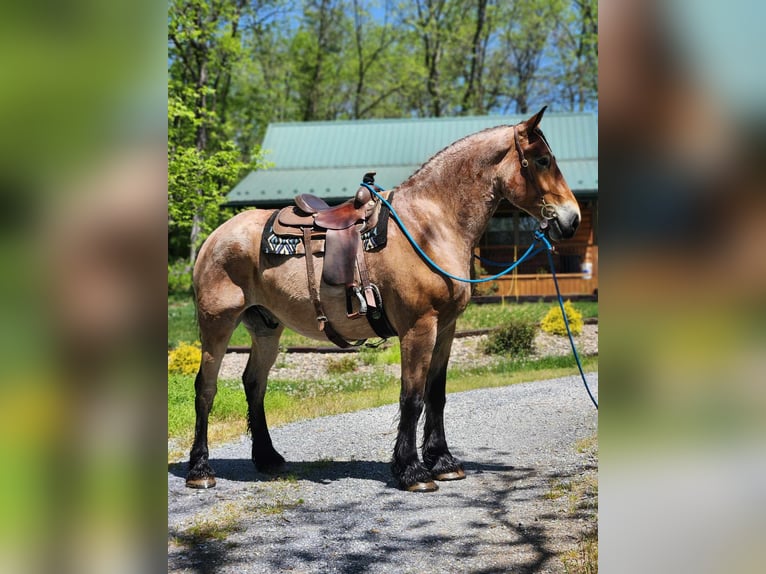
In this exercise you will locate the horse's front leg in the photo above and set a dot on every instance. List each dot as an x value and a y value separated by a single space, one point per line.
436 455
417 347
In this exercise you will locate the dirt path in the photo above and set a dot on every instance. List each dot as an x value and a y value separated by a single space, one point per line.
335 509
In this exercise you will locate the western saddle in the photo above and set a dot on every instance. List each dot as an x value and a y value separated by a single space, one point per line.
340 228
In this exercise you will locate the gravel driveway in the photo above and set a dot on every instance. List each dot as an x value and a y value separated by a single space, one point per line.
335 508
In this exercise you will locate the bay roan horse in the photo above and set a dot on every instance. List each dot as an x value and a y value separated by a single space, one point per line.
446 205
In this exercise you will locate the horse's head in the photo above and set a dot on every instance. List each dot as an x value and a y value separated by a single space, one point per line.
530 179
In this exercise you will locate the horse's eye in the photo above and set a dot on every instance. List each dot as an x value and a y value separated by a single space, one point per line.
543 161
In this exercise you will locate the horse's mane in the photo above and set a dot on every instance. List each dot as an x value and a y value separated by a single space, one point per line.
439 156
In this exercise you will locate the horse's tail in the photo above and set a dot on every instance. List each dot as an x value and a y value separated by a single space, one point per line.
196 311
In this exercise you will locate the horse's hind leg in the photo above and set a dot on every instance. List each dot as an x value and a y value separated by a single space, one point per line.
436 455
265 332
215 333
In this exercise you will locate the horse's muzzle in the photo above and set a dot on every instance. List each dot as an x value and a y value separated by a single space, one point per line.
572 225
564 225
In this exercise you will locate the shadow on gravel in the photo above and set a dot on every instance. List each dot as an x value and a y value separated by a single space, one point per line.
322 471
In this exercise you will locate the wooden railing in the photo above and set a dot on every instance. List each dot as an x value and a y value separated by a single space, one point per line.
542 285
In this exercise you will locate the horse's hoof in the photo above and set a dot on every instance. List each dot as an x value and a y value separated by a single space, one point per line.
458 474
429 486
203 482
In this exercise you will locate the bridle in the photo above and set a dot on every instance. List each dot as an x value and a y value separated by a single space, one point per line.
547 210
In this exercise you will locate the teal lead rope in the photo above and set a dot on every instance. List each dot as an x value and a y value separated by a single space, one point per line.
541 236
533 250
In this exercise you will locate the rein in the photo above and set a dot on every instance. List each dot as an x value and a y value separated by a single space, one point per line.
531 251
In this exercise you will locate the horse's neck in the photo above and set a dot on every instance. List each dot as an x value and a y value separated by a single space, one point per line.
451 199
463 207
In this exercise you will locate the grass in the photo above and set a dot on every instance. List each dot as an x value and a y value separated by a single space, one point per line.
223 521
388 354
584 558
496 314
341 365
182 324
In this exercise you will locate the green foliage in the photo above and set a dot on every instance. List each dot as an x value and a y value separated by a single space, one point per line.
204 162
184 359
333 60
515 338
179 279
553 322
485 289
198 181
576 40
198 178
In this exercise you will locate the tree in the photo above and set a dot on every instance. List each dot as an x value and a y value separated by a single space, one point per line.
317 45
577 44
204 43
372 42
473 96
197 179
526 41
436 23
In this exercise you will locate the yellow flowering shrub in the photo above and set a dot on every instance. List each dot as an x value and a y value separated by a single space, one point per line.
185 359
553 322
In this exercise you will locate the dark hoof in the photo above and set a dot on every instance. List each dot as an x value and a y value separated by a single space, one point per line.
201 482
429 486
444 467
458 474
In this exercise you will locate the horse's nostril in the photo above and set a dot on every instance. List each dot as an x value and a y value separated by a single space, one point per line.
575 221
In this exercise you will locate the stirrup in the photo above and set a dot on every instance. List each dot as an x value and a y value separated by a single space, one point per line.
350 313
377 306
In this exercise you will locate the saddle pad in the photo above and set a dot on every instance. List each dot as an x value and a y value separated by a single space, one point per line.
274 244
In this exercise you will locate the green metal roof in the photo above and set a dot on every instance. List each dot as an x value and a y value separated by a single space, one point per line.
328 159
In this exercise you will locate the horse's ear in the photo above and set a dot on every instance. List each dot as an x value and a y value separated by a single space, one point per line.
535 120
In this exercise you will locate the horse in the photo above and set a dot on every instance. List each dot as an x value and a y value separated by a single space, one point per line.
446 205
